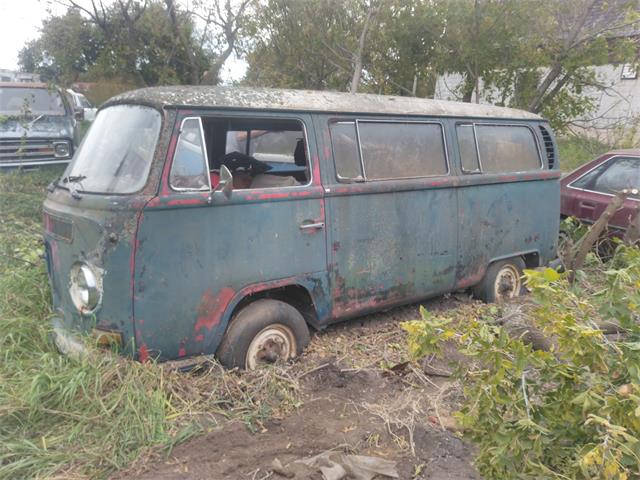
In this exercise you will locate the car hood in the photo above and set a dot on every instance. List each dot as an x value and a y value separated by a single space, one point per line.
45 126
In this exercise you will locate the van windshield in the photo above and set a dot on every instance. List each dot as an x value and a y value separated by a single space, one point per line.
30 101
116 154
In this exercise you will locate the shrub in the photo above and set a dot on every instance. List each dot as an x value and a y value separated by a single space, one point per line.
570 412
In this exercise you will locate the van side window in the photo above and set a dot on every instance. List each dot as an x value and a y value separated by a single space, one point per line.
345 150
189 170
260 152
507 148
389 150
467 147
402 150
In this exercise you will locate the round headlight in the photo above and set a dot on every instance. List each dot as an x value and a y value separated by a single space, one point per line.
61 149
84 288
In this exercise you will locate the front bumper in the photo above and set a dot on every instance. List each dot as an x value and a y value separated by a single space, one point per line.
34 163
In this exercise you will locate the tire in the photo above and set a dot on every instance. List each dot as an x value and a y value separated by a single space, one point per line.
502 281
263 332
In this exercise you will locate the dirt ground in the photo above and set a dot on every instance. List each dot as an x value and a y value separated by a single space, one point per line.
359 395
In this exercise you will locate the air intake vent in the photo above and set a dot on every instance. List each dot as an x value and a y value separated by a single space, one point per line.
548 147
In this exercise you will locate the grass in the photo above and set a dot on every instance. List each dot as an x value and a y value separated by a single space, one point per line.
65 418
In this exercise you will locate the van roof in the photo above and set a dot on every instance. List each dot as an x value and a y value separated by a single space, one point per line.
309 100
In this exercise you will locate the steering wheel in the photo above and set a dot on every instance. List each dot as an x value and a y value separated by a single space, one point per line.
239 161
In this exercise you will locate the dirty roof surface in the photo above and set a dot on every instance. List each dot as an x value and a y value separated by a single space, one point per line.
309 100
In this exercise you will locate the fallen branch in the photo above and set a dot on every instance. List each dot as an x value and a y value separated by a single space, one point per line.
590 238
632 235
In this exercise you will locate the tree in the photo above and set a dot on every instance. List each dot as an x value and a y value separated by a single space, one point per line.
222 32
149 42
311 44
535 55
66 48
403 51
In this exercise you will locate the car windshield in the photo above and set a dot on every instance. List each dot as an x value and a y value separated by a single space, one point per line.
116 154
30 101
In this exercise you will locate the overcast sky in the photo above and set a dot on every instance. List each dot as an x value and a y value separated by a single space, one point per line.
20 21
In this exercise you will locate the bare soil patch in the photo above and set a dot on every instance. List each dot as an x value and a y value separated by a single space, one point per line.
359 394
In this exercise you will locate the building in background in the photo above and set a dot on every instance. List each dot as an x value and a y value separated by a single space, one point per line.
616 116
13 76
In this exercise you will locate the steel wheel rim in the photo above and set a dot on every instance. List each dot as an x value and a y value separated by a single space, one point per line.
271 344
507 283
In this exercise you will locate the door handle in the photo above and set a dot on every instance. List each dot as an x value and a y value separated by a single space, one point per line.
587 205
312 226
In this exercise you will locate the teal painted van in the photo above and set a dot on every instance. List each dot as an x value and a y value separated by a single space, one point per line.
229 221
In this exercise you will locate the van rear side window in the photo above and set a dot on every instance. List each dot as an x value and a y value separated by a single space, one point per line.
497 148
389 150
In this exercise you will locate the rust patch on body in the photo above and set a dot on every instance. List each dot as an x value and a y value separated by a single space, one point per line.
212 307
143 353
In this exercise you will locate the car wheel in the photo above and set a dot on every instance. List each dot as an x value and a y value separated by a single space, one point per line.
502 281
263 332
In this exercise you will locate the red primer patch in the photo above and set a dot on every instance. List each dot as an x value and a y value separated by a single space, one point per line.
212 307
186 201
270 196
143 353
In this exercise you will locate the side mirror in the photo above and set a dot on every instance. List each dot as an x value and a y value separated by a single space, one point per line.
226 181
78 114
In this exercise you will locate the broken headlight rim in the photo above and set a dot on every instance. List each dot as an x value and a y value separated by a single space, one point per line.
85 287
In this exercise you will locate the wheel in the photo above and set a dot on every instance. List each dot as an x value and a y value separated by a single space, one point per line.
263 332
502 281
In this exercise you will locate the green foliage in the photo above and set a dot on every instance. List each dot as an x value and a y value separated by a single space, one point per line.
572 412
576 150
302 44
136 46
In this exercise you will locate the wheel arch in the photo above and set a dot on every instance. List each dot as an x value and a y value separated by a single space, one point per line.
531 258
299 293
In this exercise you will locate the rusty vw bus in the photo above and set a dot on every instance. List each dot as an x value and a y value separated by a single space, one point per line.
227 221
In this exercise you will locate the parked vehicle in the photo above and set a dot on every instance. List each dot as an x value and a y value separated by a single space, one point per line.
83 109
586 192
36 125
202 220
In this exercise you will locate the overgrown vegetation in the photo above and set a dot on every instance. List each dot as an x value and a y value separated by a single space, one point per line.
570 410
576 150
63 418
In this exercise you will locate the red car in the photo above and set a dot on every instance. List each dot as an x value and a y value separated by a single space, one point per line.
586 192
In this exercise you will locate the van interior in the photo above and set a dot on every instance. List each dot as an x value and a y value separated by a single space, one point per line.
260 153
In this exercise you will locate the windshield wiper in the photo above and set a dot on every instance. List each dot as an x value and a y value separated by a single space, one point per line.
35 120
74 178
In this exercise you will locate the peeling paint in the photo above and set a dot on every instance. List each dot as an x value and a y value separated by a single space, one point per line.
143 353
212 307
